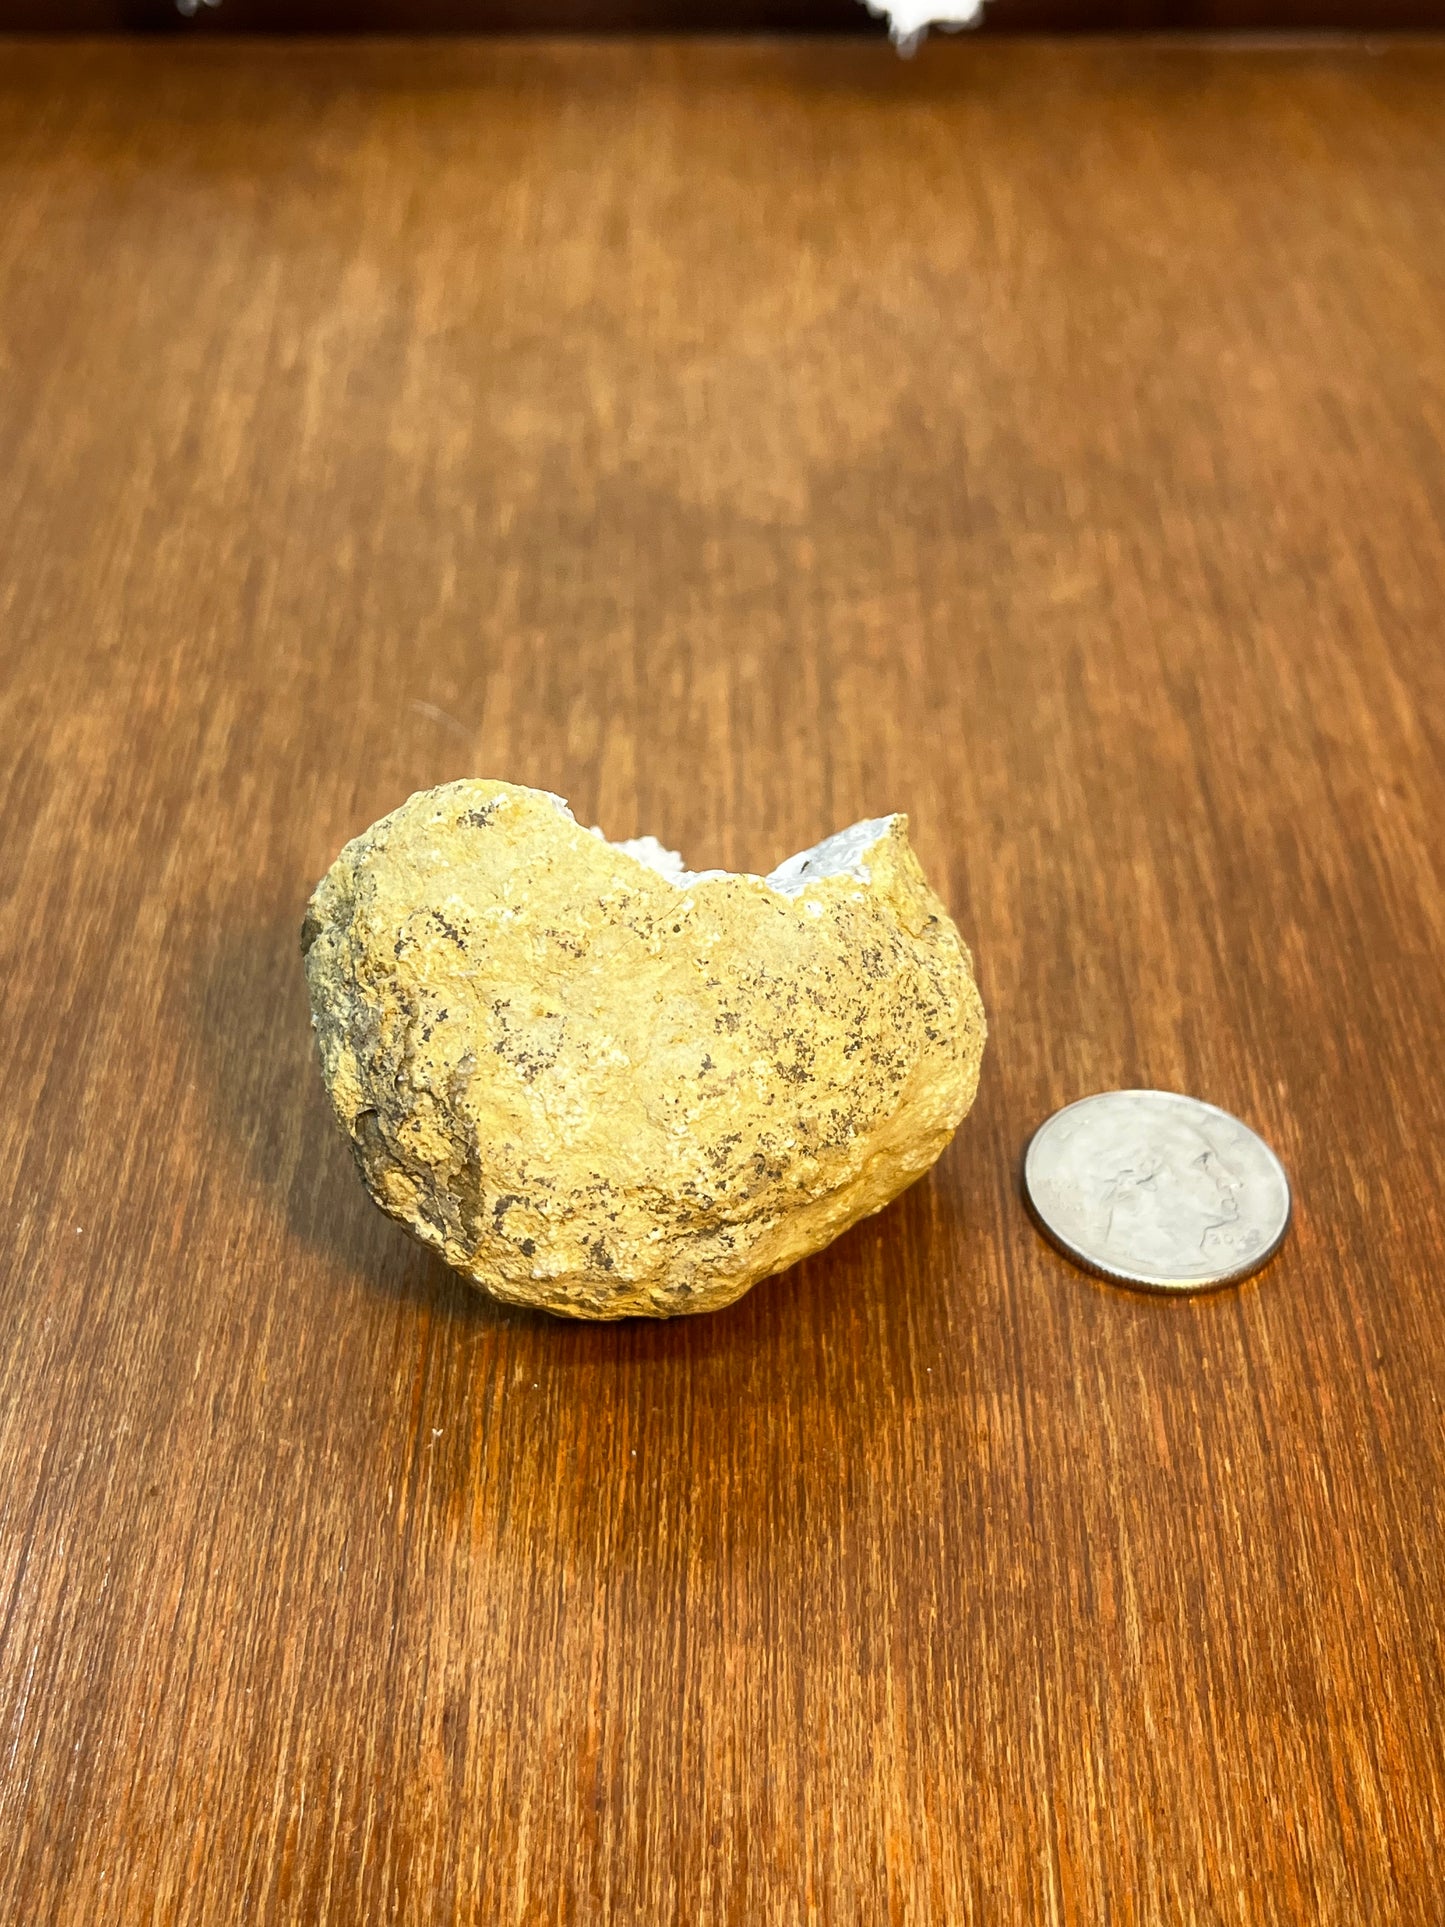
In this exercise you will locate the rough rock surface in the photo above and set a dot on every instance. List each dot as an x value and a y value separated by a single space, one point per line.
597 1083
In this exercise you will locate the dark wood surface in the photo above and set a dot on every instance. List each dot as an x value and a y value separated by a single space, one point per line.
739 440
207 17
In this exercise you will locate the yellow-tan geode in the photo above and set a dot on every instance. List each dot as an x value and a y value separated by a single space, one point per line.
596 1083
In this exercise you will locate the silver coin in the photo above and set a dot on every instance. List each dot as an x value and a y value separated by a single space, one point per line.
1153 1189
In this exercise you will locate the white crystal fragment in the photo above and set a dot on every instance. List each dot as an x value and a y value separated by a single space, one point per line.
839 855
909 20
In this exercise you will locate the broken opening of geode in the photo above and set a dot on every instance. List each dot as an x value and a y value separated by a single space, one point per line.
600 1083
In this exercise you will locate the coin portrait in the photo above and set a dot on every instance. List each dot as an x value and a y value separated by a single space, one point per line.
1158 1190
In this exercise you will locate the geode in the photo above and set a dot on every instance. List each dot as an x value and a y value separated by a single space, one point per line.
599 1083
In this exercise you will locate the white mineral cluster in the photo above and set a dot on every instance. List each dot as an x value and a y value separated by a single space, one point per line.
909 20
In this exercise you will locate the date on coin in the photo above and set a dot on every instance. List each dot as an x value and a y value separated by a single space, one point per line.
1152 1189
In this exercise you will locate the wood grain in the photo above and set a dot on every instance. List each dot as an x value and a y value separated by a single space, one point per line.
739 440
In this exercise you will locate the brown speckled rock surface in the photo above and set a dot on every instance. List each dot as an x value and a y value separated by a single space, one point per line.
596 1083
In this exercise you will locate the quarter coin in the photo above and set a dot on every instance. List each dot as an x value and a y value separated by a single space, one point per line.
1157 1190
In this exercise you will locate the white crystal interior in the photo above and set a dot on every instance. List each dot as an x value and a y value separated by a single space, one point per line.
839 855
667 863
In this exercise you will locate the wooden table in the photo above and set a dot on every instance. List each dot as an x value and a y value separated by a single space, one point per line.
739 439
